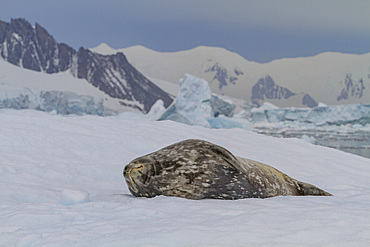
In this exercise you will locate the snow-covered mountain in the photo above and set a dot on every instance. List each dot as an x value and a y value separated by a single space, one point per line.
35 49
332 78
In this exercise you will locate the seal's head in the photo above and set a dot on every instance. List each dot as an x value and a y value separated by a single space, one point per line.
138 175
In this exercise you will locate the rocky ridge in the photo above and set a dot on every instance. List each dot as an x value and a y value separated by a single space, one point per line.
34 48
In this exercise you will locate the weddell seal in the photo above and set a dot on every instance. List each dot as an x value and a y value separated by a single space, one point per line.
197 169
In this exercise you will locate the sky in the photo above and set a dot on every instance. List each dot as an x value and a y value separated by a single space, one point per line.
260 31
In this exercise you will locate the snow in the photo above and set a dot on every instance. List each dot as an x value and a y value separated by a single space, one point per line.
48 160
104 49
168 87
72 197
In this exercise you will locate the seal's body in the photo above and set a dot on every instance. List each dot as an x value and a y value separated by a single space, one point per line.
196 169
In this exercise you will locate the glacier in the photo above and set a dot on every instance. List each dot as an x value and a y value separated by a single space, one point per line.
60 102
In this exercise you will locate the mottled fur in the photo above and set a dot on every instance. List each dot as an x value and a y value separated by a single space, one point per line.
196 169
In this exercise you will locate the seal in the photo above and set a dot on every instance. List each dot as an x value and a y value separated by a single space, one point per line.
197 169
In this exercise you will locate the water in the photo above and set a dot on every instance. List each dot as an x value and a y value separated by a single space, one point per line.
355 141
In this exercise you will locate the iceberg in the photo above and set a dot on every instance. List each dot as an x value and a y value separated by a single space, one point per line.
60 102
221 106
322 115
154 113
196 105
69 103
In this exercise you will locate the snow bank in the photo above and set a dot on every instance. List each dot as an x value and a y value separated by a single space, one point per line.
42 155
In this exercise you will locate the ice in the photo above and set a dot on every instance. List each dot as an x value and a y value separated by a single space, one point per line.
309 139
62 102
70 103
156 110
223 122
155 113
192 104
27 89
71 197
43 155
195 105
221 106
319 116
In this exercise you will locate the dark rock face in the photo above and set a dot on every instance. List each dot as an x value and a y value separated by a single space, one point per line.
351 89
32 48
114 75
35 49
266 88
222 76
309 101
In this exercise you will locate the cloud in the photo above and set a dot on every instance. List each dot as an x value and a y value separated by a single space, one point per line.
328 15
259 30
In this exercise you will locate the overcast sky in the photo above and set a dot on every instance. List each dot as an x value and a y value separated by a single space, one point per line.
258 30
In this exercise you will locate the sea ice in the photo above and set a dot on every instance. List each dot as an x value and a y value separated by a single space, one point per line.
48 161
319 116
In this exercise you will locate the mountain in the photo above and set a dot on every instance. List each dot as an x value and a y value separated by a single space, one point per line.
266 90
60 92
35 49
321 78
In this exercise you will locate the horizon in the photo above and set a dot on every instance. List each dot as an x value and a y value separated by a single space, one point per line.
259 31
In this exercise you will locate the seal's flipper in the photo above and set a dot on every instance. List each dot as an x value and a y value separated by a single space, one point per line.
307 189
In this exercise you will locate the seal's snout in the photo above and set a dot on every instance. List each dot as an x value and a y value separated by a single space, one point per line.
129 180
135 176
135 172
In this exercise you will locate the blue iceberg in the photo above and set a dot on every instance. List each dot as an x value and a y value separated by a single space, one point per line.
196 105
